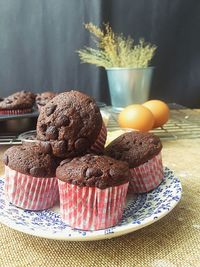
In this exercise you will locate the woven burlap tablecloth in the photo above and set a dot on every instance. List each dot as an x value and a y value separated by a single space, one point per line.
172 241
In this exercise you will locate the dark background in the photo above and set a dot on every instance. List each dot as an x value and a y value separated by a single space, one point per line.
38 40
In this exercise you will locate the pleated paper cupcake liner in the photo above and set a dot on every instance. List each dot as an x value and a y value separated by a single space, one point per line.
90 208
31 193
15 111
147 176
98 146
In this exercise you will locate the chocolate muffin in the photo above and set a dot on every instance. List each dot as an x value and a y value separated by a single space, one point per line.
69 124
93 170
30 160
134 147
142 152
43 98
17 103
92 191
30 181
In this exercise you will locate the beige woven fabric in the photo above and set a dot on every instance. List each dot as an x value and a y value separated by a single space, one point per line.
172 241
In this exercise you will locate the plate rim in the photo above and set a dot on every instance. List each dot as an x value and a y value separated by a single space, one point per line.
126 229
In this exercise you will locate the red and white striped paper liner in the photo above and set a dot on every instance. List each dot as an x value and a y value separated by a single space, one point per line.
98 146
15 111
28 192
147 176
90 208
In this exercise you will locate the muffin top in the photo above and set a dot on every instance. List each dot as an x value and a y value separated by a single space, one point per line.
134 147
69 124
94 171
18 100
43 98
30 160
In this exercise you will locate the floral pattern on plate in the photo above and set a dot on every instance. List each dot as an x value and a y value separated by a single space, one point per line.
141 210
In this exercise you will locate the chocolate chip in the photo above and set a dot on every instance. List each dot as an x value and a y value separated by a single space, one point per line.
52 133
45 147
50 109
81 144
42 104
5 159
60 147
65 161
8 101
111 172
93 172
101 184
63 120
38 171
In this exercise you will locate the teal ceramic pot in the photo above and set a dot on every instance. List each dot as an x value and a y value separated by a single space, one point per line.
129 86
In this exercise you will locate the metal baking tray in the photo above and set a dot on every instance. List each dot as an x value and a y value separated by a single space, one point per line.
12 125
33 114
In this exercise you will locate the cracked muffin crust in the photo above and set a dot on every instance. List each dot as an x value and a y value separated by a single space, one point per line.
94 171
30 160
19 100
135 148
43 98
69 124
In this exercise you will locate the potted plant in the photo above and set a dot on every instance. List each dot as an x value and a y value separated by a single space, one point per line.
127 64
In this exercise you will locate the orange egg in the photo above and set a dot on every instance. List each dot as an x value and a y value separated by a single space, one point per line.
160 111
137 117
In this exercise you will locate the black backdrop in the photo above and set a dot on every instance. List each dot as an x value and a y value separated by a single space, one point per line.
38 40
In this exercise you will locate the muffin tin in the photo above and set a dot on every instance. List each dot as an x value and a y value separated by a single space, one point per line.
12 125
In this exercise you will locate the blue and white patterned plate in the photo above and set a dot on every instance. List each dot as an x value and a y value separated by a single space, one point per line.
141 210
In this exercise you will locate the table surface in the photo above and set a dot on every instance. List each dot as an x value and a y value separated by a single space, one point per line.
172 241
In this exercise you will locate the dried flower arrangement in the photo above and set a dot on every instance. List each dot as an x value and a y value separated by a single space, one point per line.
115 50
